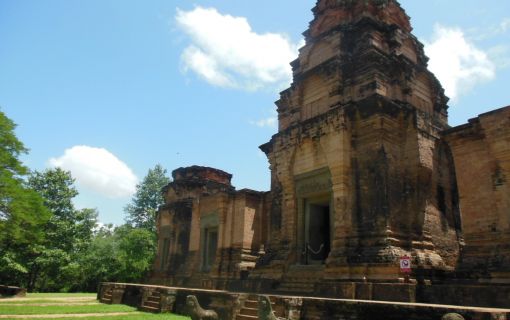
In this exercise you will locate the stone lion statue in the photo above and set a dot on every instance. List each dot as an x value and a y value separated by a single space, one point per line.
196 312
452 316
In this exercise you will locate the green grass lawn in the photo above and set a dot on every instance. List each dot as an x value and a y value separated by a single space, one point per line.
134 316
62 303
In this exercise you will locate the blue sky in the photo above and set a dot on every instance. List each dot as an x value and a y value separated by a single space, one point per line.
109 88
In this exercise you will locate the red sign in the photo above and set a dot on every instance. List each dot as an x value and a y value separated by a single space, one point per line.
405 264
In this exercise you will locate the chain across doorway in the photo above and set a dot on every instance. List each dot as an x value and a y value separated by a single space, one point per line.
316 245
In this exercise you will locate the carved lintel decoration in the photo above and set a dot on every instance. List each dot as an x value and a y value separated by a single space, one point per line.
314 182
210 220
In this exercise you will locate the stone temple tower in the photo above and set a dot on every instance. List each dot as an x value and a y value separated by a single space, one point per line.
359 174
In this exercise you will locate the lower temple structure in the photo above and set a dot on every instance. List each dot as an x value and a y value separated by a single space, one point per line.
365 173
245 306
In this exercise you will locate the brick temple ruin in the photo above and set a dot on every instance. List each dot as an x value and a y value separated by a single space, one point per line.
364 170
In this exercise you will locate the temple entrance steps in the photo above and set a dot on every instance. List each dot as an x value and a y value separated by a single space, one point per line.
152 303
107 296
251 308
301 279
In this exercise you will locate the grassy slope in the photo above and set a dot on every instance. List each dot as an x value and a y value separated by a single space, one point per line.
9 307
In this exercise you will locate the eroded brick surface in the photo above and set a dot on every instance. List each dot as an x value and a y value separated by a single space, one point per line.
481 151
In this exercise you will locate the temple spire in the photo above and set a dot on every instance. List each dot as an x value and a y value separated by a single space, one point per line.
333 13
356 49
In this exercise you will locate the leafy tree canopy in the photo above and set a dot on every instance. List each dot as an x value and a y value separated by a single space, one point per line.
10 149
56 187
141 212
21 210
69 233
123 254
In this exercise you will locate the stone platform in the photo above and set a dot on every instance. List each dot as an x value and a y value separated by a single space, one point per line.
9 291
228 305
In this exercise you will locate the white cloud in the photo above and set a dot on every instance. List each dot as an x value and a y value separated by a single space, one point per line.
226 52
98 170
500 54
504 25
489 32
271 121
196 60
456 62
267 122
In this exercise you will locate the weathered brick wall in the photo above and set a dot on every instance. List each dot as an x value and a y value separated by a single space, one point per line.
202 198
364 108
481 151
393 190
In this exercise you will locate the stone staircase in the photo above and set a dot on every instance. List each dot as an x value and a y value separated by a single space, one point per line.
301 279
152 303
107 296
251 308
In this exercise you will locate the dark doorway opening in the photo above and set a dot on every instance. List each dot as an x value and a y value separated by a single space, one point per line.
165 250
210 245
317 231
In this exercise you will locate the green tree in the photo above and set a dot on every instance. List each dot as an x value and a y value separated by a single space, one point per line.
124 254
22 213
85 224
58 190
69 232
21 209
136 248
141 212
99 263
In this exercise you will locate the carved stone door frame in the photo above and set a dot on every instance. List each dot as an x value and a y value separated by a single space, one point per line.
312 188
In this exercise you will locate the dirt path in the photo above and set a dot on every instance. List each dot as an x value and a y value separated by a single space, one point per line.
46 304
71 315
62 301
47 298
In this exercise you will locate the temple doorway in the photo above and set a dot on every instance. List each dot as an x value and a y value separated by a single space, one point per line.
317 242
210 245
